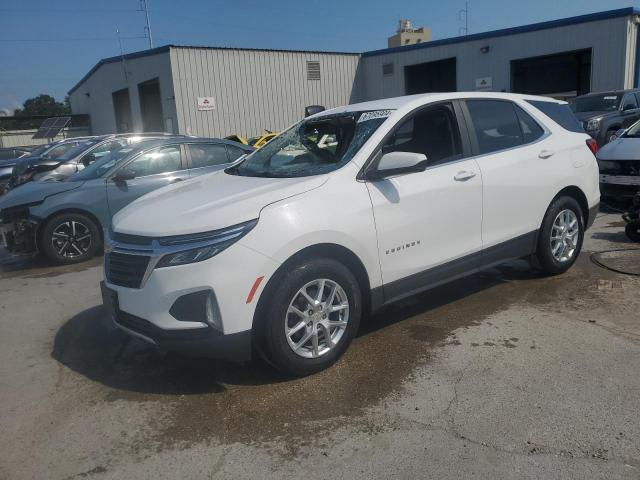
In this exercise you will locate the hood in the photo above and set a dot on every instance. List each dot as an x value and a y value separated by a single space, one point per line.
623 148
34 192
209 202
582 116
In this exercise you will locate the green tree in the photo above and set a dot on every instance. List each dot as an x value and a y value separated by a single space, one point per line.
43 104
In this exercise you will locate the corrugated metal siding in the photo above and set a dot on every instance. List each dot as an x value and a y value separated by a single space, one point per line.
94 95
255 90
607 38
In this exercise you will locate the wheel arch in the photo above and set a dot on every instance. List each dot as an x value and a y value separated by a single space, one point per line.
64 211
320 250
579 196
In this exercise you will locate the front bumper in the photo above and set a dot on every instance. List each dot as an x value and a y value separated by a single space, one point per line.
19 235
201 342
148 311
619 186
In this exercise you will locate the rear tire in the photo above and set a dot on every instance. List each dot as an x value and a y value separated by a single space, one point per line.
561 236
70 238
318 300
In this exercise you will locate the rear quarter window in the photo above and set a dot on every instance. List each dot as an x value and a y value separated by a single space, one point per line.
559 113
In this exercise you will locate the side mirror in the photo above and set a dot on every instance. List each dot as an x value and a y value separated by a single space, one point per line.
398 163
123 175
313 109
629 106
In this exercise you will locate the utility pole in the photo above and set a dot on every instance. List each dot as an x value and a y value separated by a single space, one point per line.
124 67
465 12
147 28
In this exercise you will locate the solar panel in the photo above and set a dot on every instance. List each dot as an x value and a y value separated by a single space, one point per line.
51 127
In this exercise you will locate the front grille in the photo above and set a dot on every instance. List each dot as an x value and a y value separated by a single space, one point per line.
131 239
126 270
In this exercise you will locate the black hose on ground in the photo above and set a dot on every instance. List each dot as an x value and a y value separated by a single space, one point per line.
594 258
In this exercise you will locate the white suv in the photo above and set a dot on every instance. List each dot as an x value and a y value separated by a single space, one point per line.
347 211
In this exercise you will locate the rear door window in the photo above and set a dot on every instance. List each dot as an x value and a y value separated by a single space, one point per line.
495 124
154 162
234 153
207 154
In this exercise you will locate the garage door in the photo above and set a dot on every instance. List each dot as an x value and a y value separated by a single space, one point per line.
438 76
560 75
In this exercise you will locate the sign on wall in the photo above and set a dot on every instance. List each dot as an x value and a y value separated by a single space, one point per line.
206 103
484 84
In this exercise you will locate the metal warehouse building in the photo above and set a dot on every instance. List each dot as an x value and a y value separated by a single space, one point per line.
221 91
211 91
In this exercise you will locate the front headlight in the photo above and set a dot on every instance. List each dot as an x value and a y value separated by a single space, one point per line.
593 124
185 249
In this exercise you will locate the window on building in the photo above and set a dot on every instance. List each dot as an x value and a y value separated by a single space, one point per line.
387 68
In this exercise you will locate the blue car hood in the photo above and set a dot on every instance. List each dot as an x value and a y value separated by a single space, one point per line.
35 192
623 148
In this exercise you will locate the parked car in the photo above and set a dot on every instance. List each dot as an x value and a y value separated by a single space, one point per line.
286 250
12 153
72 160
65 219
619 163
49 151
602 114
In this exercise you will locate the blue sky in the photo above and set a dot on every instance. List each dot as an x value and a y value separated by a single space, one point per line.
47 46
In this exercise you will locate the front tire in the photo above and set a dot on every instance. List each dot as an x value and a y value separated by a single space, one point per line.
70 238
560 237
312 317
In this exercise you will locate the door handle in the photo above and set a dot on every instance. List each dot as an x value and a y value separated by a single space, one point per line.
464 176
546 153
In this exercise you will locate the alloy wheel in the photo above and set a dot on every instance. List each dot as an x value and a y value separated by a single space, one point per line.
71 239
317 318
565 236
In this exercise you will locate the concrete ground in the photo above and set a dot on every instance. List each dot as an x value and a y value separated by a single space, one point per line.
501 375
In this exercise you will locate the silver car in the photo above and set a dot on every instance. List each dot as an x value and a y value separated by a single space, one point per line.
66 219
619 163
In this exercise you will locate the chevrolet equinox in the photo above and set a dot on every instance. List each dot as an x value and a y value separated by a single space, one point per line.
347 211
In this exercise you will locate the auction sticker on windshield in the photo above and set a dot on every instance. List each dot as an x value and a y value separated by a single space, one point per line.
374 114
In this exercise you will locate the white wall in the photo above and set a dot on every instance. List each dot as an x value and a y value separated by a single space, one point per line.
255 90
611 58
94 95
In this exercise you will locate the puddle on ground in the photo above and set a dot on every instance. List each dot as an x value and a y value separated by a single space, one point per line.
203 400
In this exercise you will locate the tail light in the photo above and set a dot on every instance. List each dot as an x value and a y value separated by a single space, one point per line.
593 145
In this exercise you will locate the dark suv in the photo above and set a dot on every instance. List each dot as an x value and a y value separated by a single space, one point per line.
603 114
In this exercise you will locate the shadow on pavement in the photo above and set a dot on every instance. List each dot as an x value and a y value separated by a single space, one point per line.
91 345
